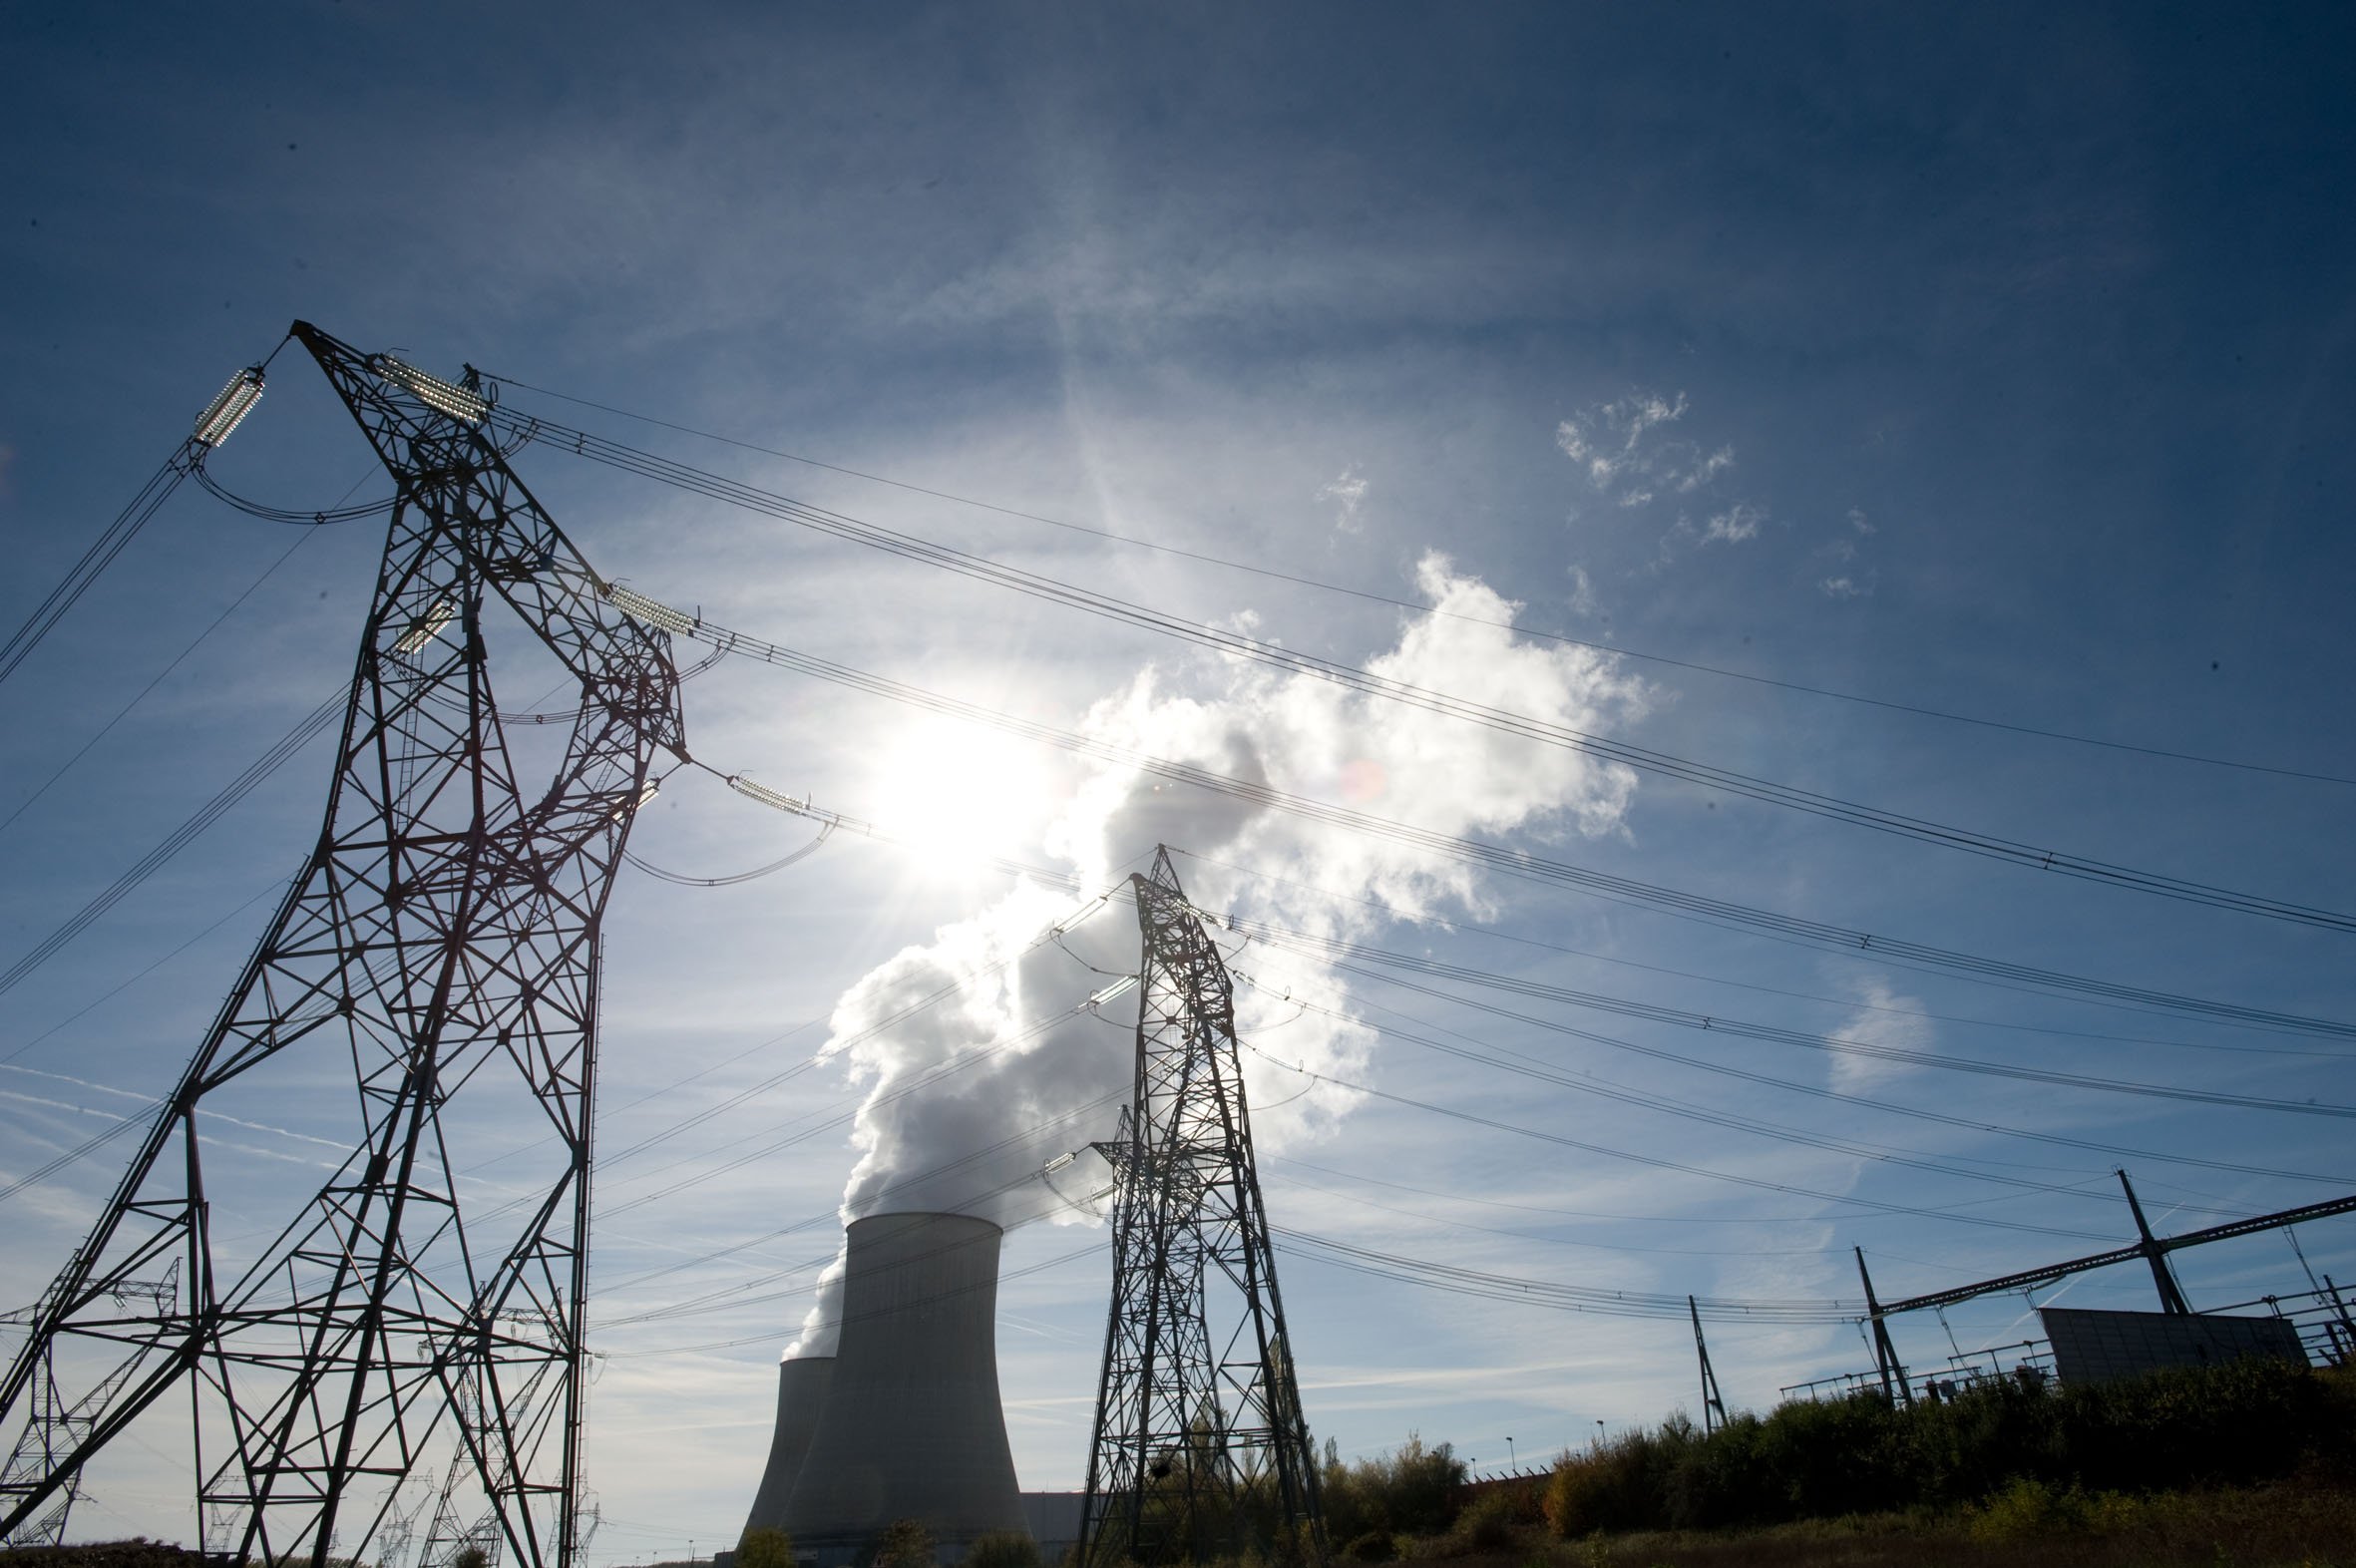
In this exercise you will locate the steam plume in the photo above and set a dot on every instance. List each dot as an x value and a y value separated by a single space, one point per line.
1006 1074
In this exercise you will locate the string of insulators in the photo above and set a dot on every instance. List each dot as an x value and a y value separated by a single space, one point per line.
229 409
444 396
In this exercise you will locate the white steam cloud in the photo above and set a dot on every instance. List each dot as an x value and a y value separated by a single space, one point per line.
969 1099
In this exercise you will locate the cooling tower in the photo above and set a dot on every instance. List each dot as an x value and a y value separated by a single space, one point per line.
911 1427
801 1394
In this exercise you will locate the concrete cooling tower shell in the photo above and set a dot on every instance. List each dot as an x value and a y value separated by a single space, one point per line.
801 1394
911 1427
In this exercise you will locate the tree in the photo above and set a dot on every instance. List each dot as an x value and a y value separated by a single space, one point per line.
765 1547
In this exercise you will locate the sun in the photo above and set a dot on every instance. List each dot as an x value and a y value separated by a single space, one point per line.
954 790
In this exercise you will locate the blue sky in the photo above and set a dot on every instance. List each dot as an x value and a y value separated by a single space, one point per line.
1997 363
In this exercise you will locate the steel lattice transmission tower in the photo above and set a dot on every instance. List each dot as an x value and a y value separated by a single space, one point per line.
389 1352
1200 1447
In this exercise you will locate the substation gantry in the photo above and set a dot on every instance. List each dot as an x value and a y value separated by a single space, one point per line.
388 1354
1200 1449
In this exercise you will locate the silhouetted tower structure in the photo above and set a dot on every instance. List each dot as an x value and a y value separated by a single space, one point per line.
1713 1407
382 1352
1894 1387
2163 1278
1200 1447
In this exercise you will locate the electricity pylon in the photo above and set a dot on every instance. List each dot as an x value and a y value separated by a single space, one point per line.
441 947
1200 1447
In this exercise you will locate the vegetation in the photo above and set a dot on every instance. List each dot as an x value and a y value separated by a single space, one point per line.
1368 1506
765 1547
904 1543
1003 1549
2234 1423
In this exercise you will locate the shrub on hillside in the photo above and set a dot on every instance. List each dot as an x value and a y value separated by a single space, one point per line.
2235 1423
1621 1484
1491 1521
1410 1491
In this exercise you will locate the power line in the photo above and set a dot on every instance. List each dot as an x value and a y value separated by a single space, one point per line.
1515 863
287 745
1368 683
1335 950
178 659
1842 1096
1425 608
1845 1004
1656 1161
101 553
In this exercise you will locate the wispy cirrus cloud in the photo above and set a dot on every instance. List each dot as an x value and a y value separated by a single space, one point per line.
1617 446
1848 579
1347 492
1631 454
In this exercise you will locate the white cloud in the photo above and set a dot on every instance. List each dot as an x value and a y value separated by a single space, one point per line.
1347 491
1707 470
1885 1018
1845 581
1611 442
1735 525
1582 599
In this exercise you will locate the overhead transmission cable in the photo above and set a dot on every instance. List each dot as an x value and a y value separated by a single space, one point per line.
1368 683
962 1062
1591 1299
221 416
1532 1236
1515 863
1505 1059
178 659
286 746
1339 954
1421 606
1845 1004
1662 1162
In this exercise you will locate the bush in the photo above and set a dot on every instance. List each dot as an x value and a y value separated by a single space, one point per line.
765 1547
1623 1484
1409 1492
1491 1521
1003 1549
1375 1546
2025 1449
904 1543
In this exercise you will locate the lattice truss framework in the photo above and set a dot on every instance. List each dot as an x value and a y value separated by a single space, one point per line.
1200 1445
389 1350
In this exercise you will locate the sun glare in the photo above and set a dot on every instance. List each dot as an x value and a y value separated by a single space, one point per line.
956 791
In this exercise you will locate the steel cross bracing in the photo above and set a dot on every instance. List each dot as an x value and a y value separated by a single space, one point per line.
438 956
1200 1449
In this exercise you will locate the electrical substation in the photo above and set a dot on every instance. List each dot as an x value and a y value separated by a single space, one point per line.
398 1373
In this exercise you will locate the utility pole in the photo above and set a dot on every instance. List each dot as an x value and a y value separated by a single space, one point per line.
441 947
2172 1295
1894 1387
1713 1407
1200 1449
2347 1325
